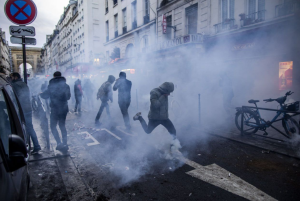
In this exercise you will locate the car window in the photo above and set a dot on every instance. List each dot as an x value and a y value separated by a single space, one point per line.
5 129
13 98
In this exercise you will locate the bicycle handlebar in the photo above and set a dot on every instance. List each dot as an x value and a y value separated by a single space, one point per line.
269 100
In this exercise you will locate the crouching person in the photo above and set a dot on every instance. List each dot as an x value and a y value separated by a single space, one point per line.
158 114
59 93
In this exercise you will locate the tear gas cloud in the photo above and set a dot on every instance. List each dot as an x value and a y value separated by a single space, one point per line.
254 76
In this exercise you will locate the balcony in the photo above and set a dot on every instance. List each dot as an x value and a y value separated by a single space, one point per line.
134 25
252 18
107 38
116 34
287 8
228 24
146 19
124 30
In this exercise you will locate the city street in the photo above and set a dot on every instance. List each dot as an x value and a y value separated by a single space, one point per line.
106 163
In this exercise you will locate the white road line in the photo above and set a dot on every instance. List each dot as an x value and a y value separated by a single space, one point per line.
104 129
120 129
89 136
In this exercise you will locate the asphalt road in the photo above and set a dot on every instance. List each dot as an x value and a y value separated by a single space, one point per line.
115 165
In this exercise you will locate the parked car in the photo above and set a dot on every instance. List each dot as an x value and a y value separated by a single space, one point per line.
14 149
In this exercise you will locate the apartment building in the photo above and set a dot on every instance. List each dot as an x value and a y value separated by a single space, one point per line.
130 28
76 42
5 53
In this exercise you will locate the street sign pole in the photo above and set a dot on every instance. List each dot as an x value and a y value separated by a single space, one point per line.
24 59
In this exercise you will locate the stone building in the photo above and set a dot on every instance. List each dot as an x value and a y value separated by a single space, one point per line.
5 54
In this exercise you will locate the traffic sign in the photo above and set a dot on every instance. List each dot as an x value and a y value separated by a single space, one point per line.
18 40
22 31
21 12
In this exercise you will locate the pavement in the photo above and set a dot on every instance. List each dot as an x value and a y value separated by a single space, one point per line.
107 163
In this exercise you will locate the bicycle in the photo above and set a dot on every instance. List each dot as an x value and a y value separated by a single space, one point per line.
254 122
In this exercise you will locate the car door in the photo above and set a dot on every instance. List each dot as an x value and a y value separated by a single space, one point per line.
7 188
19 176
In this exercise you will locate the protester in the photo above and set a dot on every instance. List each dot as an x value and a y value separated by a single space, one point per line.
124 96
105 94
78 95
22 91
89 88
158 114
59 93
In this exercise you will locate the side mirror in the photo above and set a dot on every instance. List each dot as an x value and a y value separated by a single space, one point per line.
18 155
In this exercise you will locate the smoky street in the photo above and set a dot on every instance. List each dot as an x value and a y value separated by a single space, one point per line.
107 163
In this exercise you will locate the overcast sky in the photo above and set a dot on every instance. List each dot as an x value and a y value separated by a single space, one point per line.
48 15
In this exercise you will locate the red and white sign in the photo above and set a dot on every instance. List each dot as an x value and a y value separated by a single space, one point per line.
21 12
164 24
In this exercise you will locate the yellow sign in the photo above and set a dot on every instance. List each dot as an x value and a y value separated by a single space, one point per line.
285 75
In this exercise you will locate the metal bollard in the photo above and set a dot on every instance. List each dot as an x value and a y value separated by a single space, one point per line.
199 108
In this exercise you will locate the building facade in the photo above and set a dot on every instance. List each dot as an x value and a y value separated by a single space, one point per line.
5 54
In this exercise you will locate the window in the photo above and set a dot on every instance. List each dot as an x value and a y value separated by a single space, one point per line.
107 31
116 25
106 6
256 9
145 43
191 17
124 17
133 13
169 29
115 2
227 10
147 6
5 129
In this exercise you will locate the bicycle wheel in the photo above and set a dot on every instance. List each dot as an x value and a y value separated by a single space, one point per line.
250 118
290 126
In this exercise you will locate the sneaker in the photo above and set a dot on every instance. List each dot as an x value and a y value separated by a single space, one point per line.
65 148
35 151
136 117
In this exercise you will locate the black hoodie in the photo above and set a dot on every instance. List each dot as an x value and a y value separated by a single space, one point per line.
59 93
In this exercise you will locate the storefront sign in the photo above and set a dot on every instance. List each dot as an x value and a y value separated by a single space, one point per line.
191 38
243 46
164 24
285 75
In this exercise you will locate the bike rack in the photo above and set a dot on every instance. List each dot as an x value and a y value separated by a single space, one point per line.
268 109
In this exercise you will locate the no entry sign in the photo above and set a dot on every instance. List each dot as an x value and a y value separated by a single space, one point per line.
21 12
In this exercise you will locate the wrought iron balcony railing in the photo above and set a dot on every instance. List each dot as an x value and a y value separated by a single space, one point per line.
116 34
227 24
287 8
134 25
252 18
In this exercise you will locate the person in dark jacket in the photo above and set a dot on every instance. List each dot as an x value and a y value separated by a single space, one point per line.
158 114
105 94
124 96
22 91
78 95
59 93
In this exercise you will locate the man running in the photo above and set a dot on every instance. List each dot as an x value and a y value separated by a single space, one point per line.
105 94
158 114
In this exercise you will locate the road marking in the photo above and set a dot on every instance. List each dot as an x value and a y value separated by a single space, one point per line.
121 129
89 136
104 129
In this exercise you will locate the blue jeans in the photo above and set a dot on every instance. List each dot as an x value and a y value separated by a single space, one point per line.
30 130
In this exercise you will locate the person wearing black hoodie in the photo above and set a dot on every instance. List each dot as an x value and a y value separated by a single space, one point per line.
23 93
124 96
59 93
105 94
78 95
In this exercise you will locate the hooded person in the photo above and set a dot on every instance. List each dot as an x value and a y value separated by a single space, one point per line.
59 93
23 93
158 114
78 95
105 94
124 96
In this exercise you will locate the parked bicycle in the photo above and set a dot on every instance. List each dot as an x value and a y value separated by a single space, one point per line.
254 122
